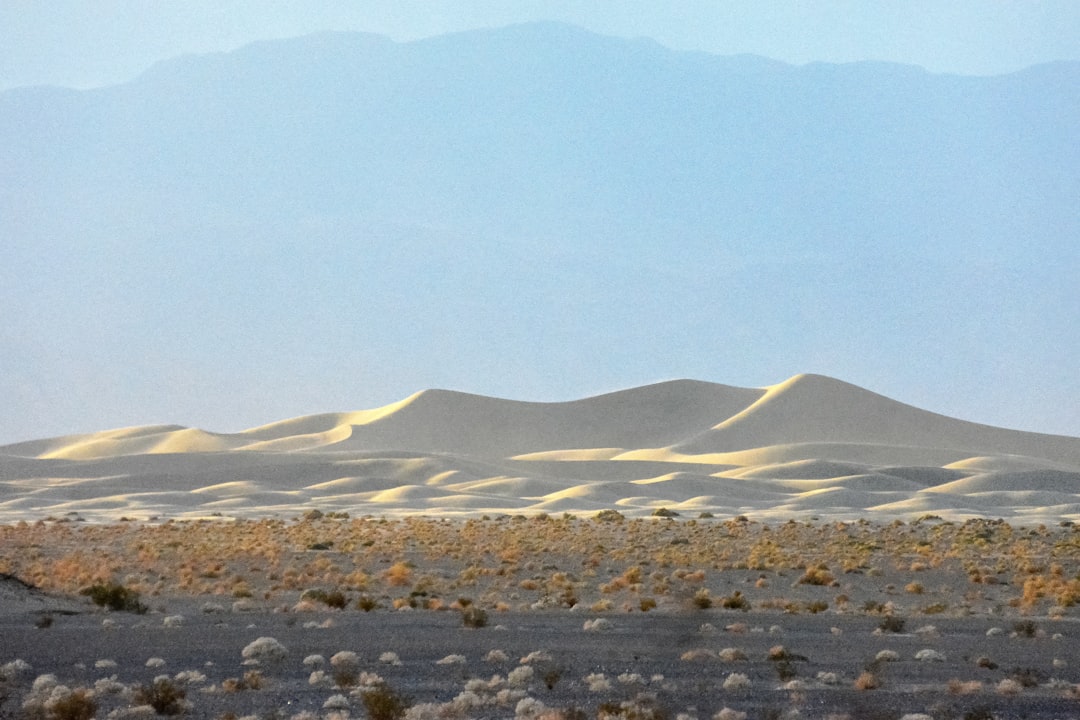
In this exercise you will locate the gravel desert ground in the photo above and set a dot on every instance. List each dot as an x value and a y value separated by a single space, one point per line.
556 617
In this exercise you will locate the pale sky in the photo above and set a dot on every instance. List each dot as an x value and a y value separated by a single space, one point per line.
86 43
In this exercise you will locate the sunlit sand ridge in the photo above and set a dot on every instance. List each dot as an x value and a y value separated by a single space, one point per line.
810 446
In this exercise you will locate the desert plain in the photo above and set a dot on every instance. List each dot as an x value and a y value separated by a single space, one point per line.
809 549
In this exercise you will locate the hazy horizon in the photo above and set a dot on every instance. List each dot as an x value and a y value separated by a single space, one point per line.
73 44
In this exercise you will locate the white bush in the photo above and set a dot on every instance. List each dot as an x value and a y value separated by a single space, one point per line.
1009 687
263 651
451 660
14 669
508 696
190 677
336 702
736 681
368 681
598 625
496 656
345 661
928 655
597 682
729 714
529 707
520 676
537 656
109 686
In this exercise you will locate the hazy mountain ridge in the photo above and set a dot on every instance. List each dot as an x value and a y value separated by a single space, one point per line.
554 196
337 123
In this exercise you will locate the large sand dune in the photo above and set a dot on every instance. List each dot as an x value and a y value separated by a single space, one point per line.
810 446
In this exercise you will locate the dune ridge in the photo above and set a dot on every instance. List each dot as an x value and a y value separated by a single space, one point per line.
809 446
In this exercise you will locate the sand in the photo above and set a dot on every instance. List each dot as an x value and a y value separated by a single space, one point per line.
811 446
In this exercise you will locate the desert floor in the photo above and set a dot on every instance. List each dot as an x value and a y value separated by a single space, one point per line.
642 618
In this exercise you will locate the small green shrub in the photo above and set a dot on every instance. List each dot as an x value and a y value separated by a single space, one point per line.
366 603
115 597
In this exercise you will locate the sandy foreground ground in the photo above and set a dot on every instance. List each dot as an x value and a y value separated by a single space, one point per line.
646 618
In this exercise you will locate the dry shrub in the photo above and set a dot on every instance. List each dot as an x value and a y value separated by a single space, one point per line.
735 601
115 597
960 687
383 703
164 695
78 704
867 681
399 574
892 623
817 575
474 617
1009 687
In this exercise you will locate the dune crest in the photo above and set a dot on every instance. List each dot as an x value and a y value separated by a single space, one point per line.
809 446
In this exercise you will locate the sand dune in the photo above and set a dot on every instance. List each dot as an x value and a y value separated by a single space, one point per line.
809 446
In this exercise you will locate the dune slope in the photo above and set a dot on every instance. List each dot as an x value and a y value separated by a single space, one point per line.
810 446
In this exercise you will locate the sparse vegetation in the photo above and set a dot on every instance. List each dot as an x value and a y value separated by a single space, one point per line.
552 563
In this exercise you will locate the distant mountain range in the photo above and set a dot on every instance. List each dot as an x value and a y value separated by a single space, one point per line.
535 202
811 445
